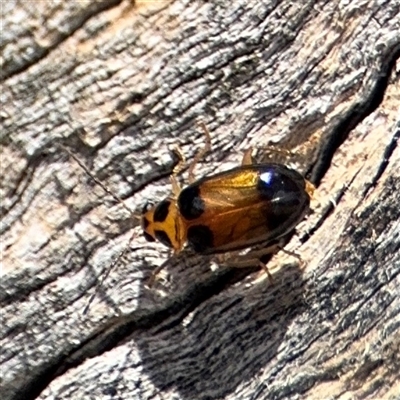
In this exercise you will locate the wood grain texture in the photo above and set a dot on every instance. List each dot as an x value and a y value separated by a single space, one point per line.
120 84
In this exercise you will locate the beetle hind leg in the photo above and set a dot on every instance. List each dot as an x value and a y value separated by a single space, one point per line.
247 157
255 258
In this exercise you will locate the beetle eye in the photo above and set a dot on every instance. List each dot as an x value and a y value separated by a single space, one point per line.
146 207
148 237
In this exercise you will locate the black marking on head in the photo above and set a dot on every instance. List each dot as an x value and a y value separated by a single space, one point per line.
190 203
161 211
145 223
162 237
148 237
200 237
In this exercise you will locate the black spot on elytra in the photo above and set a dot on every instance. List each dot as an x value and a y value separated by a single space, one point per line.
161 211
284 189
190 203
162 237
200 238
280 215
277 180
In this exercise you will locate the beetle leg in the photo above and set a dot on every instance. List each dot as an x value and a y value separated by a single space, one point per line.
278 150
154 274
266 270
310 188
176 188
201 153
272 153
247 157
253 258
294 255
181 163
153 277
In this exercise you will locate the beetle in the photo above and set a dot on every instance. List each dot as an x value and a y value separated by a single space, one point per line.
230 210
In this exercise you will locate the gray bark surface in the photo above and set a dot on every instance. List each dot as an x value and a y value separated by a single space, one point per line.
121 84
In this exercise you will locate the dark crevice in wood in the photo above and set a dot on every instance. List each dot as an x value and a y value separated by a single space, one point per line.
327 211
41 52
354 116
390 148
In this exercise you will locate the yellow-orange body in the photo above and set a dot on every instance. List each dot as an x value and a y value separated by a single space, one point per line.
231 210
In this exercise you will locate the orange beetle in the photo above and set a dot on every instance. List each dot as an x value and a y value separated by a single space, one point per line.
230 210
227 211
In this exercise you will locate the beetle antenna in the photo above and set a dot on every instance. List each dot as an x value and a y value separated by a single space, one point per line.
106 274
96 180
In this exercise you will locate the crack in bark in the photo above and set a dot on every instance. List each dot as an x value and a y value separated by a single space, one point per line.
354 116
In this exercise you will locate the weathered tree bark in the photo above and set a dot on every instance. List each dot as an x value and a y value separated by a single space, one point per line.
121 84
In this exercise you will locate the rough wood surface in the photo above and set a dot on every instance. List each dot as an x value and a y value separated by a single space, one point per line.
121 84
